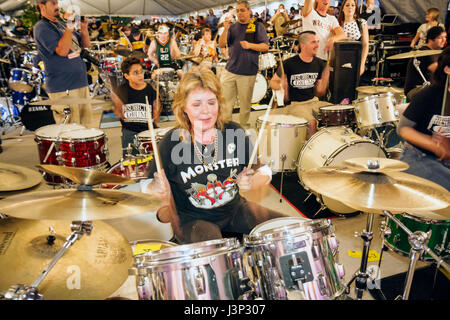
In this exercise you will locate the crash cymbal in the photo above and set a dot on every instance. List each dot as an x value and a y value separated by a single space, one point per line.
186 57
415 54
75 205
274 51
138 54
376 164
66 101
288 23
101 51
123 52
93 268
396 192
5 61
85 176
378 89
14 177
99 43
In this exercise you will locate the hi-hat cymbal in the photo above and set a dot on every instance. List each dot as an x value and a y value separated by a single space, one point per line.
396 192
415 54
99 43
376 164
85 176
93 268
378 89
65 101
75 205
14 177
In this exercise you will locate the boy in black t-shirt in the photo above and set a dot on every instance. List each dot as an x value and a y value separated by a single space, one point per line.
130 102
305 76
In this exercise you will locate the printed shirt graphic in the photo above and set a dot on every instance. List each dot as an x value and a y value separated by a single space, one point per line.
207 192
135 112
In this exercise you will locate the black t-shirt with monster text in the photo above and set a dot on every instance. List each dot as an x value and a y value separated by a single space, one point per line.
425 110
302 77
204 192
134 106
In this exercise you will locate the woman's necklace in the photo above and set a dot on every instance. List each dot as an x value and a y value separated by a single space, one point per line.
201 156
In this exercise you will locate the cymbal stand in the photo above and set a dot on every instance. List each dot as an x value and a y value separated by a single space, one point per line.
22 292
361 276
416 64
283 160
417 240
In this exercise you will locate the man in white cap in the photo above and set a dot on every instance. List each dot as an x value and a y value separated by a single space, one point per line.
164 50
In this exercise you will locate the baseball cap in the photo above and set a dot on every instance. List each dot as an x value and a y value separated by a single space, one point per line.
163 29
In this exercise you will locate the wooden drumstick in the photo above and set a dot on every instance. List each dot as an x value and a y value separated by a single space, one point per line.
255 147
152 133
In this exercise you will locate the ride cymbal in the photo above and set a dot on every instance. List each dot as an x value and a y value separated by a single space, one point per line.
93 268
372 164
414 54
378 89
13 178
396 192
76 205
85 176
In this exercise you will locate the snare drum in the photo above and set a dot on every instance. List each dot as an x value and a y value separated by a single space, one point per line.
267 61
47 135
283 138
260 88
331 147
144 139
83 148
439 241
337 115
20 80
208 270
294 259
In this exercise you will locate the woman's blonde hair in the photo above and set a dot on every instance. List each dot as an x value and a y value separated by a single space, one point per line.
195 78
433 13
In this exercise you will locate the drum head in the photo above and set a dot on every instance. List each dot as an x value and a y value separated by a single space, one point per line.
337 107
283 120
55 130
82 134
260 88
277 223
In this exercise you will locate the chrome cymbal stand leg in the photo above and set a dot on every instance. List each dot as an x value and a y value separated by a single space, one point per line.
361 275
417 241
283 159
22 292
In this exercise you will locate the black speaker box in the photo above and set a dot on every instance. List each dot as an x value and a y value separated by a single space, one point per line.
344 70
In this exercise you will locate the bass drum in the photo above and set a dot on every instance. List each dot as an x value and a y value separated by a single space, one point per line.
260 88
331 147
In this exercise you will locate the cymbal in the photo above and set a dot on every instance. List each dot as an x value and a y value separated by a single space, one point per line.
99 43
93 268
123 52
378 89
14 177
85 176
138 54
415 54
75 205
5 61
66 100
288 23
274 51
376 164
186 57
101 51
396 192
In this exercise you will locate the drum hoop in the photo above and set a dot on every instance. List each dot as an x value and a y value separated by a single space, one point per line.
425 221
281 125
322 109
99 137
345 145
295 229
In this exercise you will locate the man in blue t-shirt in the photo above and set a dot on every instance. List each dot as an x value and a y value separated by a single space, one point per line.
245 40
60 47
